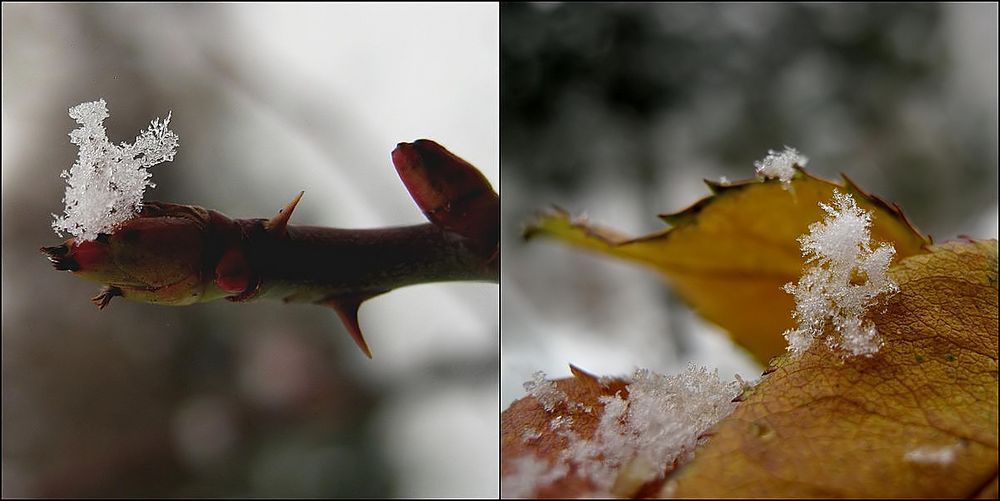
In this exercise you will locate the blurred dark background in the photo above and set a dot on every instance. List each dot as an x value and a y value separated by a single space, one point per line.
620 110
262 399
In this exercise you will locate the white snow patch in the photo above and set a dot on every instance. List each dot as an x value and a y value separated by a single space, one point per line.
529 473
106 184
637 438
780 164
839 249
544 391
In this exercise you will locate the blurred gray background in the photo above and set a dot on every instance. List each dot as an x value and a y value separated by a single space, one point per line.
619 111
264 399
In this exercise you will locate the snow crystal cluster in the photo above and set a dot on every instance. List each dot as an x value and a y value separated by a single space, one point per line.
780 164
530 472
544 391
659 423
845 277
106 184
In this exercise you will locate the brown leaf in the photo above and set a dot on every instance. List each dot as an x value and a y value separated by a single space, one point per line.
586 436
528 430
884 426
728 255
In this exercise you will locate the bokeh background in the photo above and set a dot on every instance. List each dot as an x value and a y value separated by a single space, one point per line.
619 111
264 399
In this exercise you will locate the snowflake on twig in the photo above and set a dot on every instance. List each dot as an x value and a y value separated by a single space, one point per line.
106 184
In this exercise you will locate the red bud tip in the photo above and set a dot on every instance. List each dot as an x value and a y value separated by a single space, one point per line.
88 254
451 192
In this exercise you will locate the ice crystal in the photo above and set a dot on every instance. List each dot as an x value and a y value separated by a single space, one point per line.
106 183
529 472
780 164
638 438
531 435
842 282
544 391
658 424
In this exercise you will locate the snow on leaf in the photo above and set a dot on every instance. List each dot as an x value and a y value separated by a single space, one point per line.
730 254
839 250
642 427
527 473
780 164
817 427
544 391
106 183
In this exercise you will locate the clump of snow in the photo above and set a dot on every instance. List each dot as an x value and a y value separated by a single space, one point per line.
106 184
545 391
845 277
529 472
639 438
780 164
933 455
658 424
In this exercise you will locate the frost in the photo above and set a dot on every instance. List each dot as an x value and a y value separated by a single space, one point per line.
531 435
544 391
933 455
843 281
560 422
106 184
659 423
780 164
529 473
638 438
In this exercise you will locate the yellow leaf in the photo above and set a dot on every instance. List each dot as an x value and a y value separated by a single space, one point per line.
729 254
917 419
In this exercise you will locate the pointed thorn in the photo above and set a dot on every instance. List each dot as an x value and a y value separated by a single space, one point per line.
276 225
104 297
347 309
